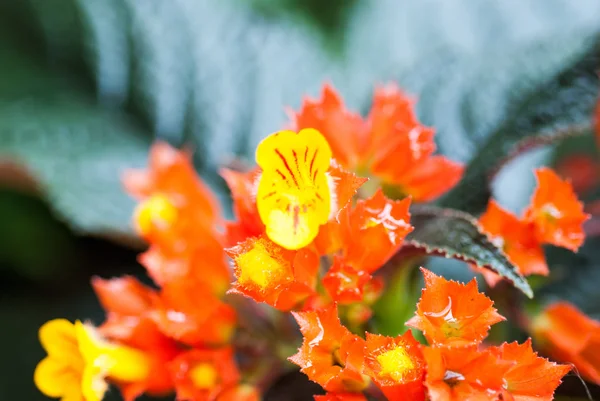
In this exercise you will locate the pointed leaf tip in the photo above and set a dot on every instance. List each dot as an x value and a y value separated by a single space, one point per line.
455 234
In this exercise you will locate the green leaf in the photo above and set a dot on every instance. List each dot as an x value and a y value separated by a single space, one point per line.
399 300
563 103
219 74
75 148
454 234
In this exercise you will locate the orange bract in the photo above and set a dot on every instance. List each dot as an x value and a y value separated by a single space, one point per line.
330 355
516 238
531 377
269 273
176 195
464 374
344 283
396 365
243 187
374 231
343 129
556 212
568 335
391 143
203 374
129 306
204 262
180 218
452 313
188 312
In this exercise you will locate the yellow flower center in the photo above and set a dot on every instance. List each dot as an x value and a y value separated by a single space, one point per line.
204 376
395 363
261 266
157 211
294 194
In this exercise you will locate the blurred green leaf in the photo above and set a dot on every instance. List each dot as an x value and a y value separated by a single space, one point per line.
219 74
76 149
33 242
398 302
454 234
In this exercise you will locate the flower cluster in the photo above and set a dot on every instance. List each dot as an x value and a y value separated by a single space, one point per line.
554 216
309 243
157 340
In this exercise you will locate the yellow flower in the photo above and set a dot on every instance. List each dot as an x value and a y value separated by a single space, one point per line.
79 361
294 192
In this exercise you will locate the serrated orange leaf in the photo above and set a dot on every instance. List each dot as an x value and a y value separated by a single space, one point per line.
330 354
516 238
531 377
374 231
243 187
556 212
453 314
465 373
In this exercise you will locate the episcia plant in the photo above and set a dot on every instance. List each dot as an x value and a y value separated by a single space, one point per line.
328 224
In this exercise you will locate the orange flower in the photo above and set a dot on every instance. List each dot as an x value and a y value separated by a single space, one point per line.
203 374
568 335
375 231
268 273
205 263
330 355
188 312
531 377
179 216
341 397
452 313
176 203
129 306
243 187
556 212
464 374
344 283
516 238
343 129
396 365
391 143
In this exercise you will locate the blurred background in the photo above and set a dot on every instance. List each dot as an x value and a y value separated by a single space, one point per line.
87 85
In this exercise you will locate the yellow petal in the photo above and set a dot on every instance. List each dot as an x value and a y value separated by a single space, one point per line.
54 378
119 362
294 196
89 342
59 339
93 385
